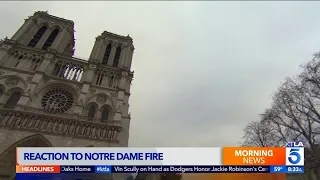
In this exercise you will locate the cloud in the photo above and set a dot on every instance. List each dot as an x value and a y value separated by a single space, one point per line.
203 70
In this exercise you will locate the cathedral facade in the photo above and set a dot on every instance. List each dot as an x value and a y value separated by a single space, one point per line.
50 98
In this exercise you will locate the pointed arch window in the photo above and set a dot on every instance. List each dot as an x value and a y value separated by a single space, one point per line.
106 54
92 112
18 60
13 100
105 114
50 39
117 57
34 41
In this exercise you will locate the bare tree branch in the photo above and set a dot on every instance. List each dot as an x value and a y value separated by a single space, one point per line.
293 116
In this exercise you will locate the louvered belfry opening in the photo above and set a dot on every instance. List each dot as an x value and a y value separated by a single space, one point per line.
117 57
106 54
50 39
36 38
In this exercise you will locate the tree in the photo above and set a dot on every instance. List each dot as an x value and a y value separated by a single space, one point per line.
256 134
293 116
170 176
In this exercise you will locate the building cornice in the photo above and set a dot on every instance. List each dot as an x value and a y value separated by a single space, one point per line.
45 14
107 33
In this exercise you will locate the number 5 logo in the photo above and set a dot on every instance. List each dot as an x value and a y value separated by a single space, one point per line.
294 154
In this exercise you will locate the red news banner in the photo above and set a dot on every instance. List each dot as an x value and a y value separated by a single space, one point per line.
37 169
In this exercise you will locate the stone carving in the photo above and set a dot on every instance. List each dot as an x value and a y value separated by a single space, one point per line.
29 79
124 67
28 93
80 101
27 55
57 125
48 56
93 62
6 47
119 109
92 91
111 78
113 94
1 72
124 74
101 99
78 88
45 80
12 82
115 44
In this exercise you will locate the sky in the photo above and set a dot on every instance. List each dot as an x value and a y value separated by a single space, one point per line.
202 70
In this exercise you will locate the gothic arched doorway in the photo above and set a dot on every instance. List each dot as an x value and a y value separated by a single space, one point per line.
8 157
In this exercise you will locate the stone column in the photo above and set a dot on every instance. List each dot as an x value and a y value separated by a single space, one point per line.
45 63
129 58
79 107
118 114
94 50
64 42
123 56
112 54
88 74
44 38
23 101
23 29
123 81
4 54
126 57
38 76
4 97
101 51
97 50
124 134
84 90
26 38
119 106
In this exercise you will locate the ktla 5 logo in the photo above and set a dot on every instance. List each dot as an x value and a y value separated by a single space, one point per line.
295 156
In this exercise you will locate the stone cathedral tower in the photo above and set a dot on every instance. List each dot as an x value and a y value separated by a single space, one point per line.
50 98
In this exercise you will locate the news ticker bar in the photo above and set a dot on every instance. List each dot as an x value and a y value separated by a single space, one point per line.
159 169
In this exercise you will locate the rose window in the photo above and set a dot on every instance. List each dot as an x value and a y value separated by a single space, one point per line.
57 100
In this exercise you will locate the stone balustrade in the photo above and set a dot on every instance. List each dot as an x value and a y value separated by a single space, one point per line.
74 125
69 68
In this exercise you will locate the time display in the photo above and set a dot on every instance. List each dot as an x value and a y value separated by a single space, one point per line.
295 169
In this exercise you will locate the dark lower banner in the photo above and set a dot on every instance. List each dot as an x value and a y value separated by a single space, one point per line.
187 169
189 176
63 176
